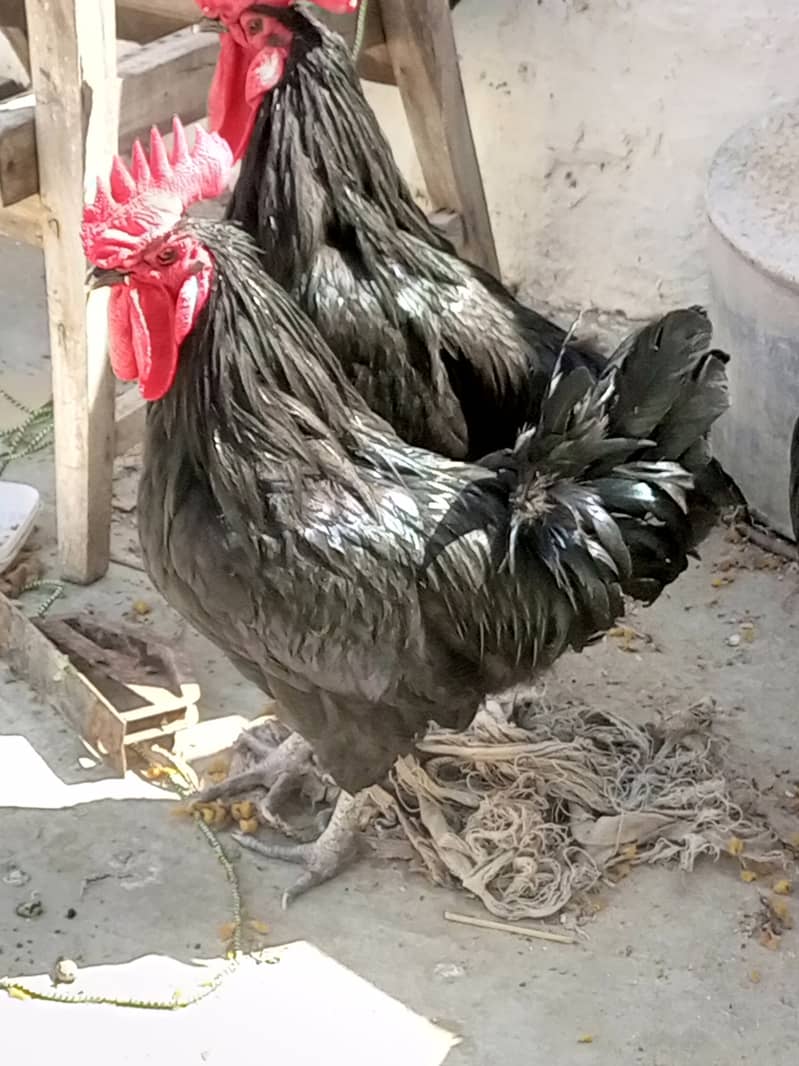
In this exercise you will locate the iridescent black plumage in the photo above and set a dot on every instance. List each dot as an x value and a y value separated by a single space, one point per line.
434 344
371 586
437 346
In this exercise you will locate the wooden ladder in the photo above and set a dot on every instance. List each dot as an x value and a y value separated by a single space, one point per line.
84 106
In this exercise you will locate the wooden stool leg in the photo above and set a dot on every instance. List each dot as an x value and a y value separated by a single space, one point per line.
421 43
18 40
73 71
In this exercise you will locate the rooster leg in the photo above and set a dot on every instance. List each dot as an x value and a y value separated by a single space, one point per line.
322 859
282 770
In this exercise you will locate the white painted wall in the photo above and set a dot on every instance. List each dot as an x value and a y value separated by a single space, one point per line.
596 121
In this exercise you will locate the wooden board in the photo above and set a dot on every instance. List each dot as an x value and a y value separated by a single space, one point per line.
421 43
374 62
23 221
55 680
168 77
73 61
186 10
141 22
136 19
18 160
18 40
149 684
131 411
12 13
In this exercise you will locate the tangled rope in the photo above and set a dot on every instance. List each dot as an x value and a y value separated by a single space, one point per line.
529 816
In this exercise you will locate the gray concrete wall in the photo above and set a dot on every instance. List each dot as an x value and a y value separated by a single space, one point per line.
596 121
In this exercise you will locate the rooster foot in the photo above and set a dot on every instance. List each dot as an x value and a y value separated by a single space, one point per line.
281 772
324 857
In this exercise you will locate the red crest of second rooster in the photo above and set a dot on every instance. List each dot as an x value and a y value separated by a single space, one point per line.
255 50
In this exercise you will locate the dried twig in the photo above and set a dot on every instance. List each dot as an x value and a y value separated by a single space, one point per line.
508 927
129 561
769 542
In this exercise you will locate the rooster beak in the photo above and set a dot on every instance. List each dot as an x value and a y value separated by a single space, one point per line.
207 25
97 278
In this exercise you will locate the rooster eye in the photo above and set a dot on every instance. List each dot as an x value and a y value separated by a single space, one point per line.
167 256
255 26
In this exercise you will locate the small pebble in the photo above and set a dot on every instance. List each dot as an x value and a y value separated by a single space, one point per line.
734 640
64 972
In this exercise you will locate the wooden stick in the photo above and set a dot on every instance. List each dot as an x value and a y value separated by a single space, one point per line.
508 927
73 66
769 542
421 43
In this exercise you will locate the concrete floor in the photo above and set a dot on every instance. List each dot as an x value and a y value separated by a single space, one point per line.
668 974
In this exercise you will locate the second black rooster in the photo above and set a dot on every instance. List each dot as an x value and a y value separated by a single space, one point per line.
433 343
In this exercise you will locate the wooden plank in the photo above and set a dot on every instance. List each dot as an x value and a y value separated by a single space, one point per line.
130 14
55 680
18 39
131 411
451 225
73 68
12 13
18 162
141 27
169 77
23 221
144 680
186 10
374 61
421 42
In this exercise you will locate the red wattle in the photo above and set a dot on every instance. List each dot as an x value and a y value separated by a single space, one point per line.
143 341
120 337
148 324
229 112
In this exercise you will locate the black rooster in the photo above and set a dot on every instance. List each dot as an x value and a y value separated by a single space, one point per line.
433 343
371 586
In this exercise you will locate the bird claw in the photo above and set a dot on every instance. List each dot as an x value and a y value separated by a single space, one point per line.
280 771
322 859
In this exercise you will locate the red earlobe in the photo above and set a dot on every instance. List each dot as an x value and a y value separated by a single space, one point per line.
265 72
191 299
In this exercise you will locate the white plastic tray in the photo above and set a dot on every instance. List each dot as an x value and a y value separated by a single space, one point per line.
19 506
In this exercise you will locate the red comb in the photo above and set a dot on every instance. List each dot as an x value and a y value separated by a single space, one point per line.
145 201
232 10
